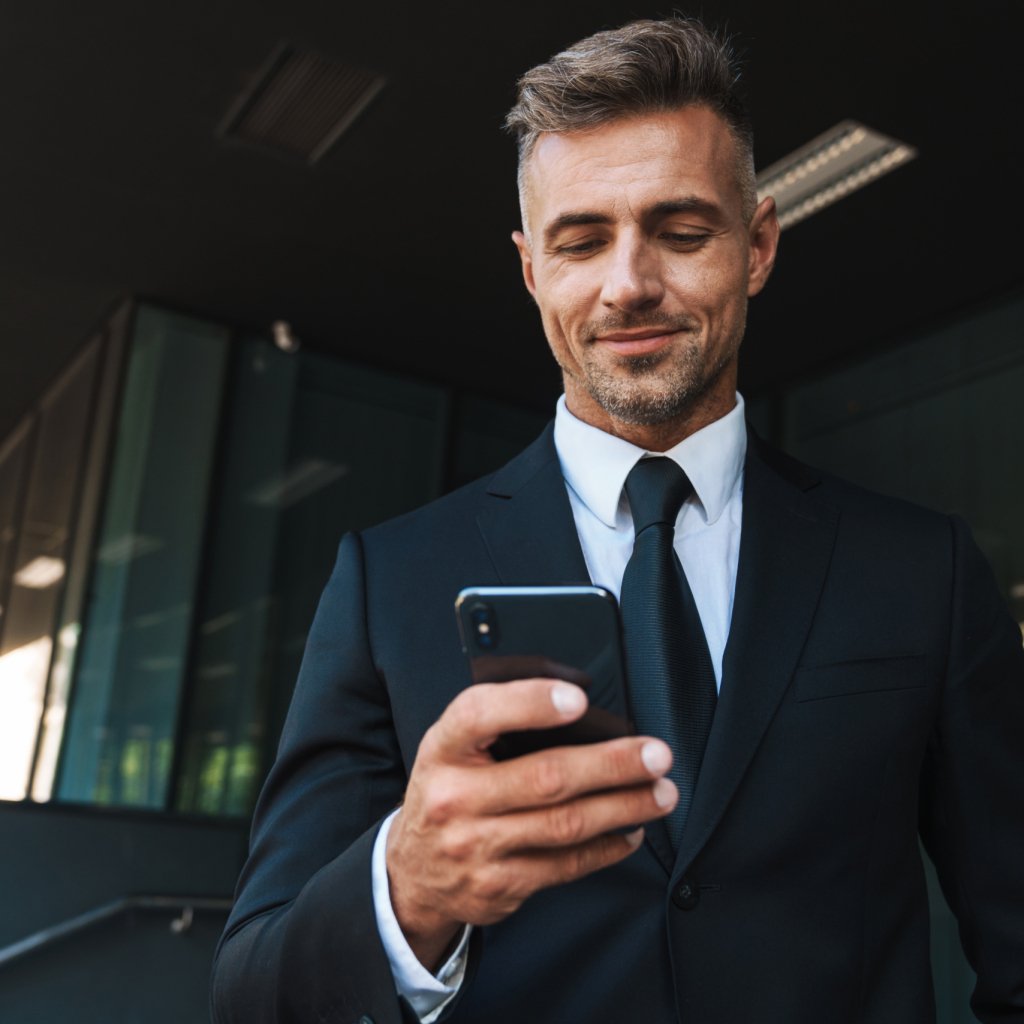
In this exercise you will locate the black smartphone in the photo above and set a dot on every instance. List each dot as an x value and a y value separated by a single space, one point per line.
565 632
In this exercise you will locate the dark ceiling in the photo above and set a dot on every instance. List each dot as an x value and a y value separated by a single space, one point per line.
394 249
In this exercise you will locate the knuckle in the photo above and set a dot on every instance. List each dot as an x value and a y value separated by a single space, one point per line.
574 865
588 858
457 845
491 886
549 779
441 802
567 823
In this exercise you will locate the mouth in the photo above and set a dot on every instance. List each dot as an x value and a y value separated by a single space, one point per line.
637 343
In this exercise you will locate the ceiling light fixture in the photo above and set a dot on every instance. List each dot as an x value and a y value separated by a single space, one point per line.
40 573
301 103
838 162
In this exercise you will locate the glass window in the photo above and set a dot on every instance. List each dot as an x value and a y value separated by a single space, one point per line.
314 447
13 464
39 568
938 422
134 645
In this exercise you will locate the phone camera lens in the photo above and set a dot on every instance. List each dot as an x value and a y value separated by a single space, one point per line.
484 626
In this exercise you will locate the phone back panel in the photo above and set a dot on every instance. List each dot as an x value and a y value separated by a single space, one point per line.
569 633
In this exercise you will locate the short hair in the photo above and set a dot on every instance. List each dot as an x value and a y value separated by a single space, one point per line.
644 67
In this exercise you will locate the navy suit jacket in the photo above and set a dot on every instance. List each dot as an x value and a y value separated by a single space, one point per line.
873 687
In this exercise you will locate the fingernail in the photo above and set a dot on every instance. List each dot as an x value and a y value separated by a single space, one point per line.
568 700
665 792
656 757
634 838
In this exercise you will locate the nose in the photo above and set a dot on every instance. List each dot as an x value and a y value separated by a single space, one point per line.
633 279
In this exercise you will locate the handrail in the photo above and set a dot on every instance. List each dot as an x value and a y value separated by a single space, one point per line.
188 905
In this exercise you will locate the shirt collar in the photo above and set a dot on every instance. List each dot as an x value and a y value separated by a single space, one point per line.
595 464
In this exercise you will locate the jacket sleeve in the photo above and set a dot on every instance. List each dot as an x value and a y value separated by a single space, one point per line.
972 809
301 943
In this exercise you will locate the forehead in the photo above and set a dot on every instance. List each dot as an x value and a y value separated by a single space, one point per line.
633 162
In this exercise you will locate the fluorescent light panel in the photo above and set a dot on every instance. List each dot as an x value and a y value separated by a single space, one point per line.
835 164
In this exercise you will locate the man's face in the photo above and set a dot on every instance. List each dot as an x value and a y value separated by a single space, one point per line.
641 262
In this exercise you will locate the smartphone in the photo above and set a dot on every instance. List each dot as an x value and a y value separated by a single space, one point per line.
565 632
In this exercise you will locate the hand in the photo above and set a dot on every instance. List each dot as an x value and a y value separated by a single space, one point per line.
475 837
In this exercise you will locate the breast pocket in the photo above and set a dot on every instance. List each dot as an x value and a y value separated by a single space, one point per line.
866 675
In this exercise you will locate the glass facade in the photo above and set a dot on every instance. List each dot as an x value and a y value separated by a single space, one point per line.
313 448
42 465
938 421
169 515
119 742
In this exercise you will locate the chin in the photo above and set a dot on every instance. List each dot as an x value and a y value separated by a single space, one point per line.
652 394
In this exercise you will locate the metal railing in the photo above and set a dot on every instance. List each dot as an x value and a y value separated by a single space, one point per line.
187 906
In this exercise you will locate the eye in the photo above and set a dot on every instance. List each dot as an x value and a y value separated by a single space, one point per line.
685 241
583 248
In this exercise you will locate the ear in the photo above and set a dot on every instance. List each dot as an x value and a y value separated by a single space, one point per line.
526 260
764 242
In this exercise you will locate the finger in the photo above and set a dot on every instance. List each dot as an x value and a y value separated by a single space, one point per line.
506 884
481 713
579 821
547 867
561 773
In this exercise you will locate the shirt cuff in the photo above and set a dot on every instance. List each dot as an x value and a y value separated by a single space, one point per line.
426 993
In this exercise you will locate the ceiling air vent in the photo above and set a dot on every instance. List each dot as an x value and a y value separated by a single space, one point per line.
300 104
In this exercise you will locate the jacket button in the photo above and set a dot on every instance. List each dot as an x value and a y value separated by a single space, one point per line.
685 895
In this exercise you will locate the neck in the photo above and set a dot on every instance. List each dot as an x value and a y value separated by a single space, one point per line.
656 437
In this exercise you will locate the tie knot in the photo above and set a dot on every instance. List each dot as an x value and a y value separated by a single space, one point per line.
656 489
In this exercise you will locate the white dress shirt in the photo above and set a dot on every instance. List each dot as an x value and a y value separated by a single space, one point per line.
707 540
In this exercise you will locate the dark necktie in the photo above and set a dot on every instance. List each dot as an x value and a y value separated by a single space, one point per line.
672 681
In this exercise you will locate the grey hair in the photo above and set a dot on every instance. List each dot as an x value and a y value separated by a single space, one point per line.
644 67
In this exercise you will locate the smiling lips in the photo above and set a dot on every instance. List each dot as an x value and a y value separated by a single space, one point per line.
637 343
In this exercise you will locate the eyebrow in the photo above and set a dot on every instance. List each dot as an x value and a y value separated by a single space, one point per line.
572 220
690 204
667 207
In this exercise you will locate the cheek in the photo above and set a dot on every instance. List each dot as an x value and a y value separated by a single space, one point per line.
562 314
715 293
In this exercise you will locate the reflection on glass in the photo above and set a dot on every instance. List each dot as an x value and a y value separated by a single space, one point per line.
315 447
40 573
13 460
54 715
130 667
22 686
39 566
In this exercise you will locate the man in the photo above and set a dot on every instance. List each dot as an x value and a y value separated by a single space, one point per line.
868 679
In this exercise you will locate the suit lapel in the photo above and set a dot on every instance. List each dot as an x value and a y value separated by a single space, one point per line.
527 523
528 528
785 549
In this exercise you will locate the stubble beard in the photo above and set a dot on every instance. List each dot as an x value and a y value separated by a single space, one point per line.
650 390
